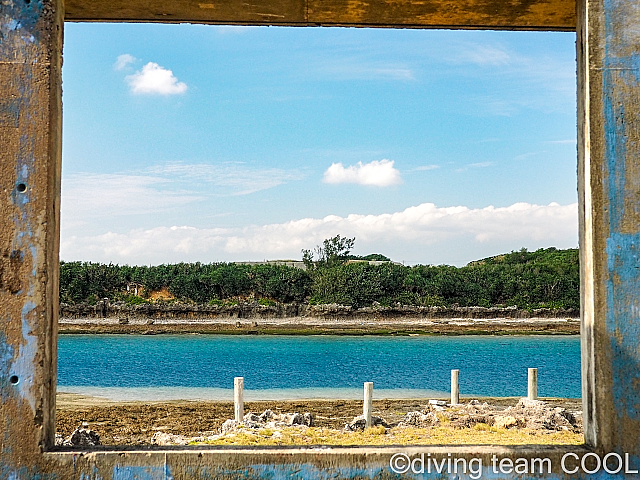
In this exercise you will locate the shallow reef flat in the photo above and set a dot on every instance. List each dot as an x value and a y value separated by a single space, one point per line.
322 325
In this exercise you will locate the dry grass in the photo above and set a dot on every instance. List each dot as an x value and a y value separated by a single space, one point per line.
479 435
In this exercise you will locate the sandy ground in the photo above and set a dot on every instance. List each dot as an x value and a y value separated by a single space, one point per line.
319 325
133 423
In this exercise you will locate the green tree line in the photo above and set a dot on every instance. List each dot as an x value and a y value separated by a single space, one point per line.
544 278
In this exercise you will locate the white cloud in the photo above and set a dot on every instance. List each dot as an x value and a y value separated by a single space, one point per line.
380 173
425 168
123 60
154 79
424 233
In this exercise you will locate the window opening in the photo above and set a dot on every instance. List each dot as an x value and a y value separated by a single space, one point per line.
259 148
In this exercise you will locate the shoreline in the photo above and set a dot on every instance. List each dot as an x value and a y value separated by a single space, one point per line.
320 326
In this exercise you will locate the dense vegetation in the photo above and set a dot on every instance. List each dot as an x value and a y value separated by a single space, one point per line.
544 278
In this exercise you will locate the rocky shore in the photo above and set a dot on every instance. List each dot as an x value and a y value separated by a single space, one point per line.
255 310
253 318
494 420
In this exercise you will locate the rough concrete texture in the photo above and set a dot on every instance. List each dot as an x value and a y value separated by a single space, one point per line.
30 127
609 195
498 14
295 463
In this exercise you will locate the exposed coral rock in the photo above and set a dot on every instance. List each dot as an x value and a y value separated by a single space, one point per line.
359 423
419 419
508 421
81 437
250 310
532 414
537 414
268 419
162 438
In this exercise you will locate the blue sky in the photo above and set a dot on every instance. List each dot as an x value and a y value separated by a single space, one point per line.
203 143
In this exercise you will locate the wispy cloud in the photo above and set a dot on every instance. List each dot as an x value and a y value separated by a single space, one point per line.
475 165
161 188
155 80
481 54
523 156
400 233
349 71
87 196
236 178
482 164
424 168
571 141
379 173
123 61
351 63
539 82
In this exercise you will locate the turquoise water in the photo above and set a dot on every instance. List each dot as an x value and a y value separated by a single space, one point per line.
203 367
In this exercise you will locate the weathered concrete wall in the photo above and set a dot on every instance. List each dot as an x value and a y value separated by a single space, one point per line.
498 14
30 145
609 195
306 464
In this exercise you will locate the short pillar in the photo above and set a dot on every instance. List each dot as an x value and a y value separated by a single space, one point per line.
238 398
368 403
532 390
455 389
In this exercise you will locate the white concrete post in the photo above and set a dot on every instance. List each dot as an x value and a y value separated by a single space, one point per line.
532 391
238 398
368 403
455 389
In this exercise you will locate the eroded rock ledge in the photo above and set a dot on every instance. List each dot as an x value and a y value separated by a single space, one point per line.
251 310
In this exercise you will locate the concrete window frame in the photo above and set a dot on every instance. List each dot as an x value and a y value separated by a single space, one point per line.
608 73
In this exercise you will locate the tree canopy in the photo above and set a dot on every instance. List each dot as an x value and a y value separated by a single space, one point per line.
543 278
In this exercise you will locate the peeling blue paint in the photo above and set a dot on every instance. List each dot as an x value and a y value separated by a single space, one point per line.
621 74
121 472
24 473
18 25
94 475
6 355
623 321
23 366
312 472
9 113
19 29
19 19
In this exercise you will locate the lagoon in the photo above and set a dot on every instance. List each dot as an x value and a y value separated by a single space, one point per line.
202 367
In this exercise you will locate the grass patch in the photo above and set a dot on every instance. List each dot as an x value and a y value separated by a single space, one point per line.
478 435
